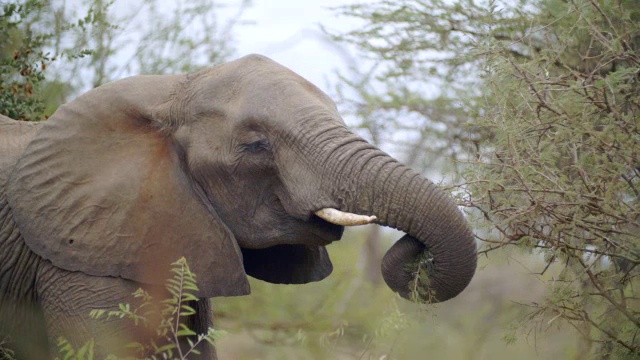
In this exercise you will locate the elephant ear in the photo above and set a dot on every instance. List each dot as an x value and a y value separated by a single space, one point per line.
288 264
102 190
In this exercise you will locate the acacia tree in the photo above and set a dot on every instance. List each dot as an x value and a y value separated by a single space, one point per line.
548 138
24 57
563 173
415 83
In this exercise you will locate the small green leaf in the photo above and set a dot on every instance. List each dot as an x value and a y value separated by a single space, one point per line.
189 286
187 312
86 351
167 348
189 297
185 331
97 313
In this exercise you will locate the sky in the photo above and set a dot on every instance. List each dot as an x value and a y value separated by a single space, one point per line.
288 31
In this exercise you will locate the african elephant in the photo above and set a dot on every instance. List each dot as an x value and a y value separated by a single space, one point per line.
244 168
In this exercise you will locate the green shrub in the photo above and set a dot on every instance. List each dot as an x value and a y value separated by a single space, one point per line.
170 329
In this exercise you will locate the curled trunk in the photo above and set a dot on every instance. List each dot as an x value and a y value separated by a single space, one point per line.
437 257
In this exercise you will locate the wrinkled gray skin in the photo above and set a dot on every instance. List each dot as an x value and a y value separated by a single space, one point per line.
225 167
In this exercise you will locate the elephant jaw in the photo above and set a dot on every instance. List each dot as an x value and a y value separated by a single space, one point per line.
342 218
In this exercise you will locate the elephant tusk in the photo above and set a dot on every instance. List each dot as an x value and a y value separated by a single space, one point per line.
338 217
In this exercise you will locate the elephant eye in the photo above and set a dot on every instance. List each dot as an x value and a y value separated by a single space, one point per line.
257 146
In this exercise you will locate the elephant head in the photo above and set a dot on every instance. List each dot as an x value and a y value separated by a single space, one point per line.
239 168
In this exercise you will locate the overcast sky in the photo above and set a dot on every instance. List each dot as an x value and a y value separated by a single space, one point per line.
288 32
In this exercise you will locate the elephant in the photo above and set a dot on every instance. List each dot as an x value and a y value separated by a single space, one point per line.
243 168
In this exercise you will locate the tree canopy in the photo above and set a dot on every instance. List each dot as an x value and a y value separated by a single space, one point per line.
542 114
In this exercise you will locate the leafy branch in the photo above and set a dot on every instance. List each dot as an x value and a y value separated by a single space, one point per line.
174 339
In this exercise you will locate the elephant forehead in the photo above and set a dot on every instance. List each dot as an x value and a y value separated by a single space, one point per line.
285 107
255 84
290 92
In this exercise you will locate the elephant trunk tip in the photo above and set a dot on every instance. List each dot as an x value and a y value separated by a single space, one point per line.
415 272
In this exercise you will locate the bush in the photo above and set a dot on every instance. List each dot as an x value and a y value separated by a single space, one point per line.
561 175
22 61
167 322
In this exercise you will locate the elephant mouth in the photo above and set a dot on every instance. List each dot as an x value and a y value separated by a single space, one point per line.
325 231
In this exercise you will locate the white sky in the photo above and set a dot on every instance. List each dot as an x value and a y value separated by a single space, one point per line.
288 32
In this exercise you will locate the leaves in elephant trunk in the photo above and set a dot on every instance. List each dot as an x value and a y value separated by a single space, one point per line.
422 269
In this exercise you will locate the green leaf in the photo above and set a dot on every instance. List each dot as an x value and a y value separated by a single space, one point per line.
191 287
187 310
97 313
165 348
134 345
189 297
86 351
185 331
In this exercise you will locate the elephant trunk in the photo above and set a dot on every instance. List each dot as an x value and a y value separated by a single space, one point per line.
437 257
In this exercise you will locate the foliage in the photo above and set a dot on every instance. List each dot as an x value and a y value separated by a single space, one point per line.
5 352
422 269
167 321
542 110
24 58
415 82
562 177
66 350
20 68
